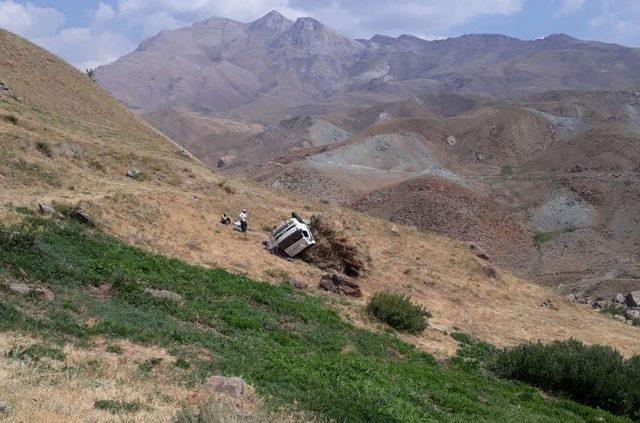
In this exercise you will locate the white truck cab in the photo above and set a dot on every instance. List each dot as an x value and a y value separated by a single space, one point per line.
292 237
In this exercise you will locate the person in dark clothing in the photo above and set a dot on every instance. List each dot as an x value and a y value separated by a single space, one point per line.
225 220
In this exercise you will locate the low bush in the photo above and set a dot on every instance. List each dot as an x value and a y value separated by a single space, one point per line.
398 312
594 375
11 119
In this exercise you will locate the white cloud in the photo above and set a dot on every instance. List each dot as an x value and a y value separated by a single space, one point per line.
86 48
567 7
617 21
29 20
105 12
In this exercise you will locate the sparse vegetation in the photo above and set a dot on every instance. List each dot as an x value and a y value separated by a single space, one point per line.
11 119
114 349
35 352
541 238
226 187
117 407
594 375
148 365
291 347
44 148
398 312
506 171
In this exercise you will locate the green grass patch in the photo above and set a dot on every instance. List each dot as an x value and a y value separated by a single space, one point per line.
35 352
292 348
114 349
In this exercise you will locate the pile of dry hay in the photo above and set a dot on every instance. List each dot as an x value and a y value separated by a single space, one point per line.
334 249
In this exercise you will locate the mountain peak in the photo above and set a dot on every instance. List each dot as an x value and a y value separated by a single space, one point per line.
273 20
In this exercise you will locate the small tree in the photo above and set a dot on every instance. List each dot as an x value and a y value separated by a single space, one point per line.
91 73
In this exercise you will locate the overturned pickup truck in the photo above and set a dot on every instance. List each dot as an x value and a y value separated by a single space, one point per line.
291 238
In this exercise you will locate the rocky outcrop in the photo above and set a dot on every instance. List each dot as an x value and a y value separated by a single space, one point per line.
231 386
340 284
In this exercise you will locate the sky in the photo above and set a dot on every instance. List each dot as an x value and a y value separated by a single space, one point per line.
89 33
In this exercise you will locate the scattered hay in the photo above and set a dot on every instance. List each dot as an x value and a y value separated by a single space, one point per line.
334 249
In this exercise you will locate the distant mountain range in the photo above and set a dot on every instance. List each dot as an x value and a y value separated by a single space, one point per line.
530 149
255 70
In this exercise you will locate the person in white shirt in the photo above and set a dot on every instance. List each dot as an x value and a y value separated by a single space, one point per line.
243 221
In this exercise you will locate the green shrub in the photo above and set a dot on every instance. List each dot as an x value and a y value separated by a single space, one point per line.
540 238
593 375
398 312
11 119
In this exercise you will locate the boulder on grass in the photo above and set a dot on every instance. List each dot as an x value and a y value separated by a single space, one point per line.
163 294
232 386
24 289
632 299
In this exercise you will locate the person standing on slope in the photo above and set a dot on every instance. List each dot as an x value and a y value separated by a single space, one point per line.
243 221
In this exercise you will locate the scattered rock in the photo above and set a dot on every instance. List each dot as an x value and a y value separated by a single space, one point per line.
339 284
549 303
44 209
82 217
620 317
479 156
24 289
619 299
133 173
394 229
576 169
162 294
451 140
572 298
19 288
298 284
479 252
633 299
4 409
632 314
220 163
602 304
232 386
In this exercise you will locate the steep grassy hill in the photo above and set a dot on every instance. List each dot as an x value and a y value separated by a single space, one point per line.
64 141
